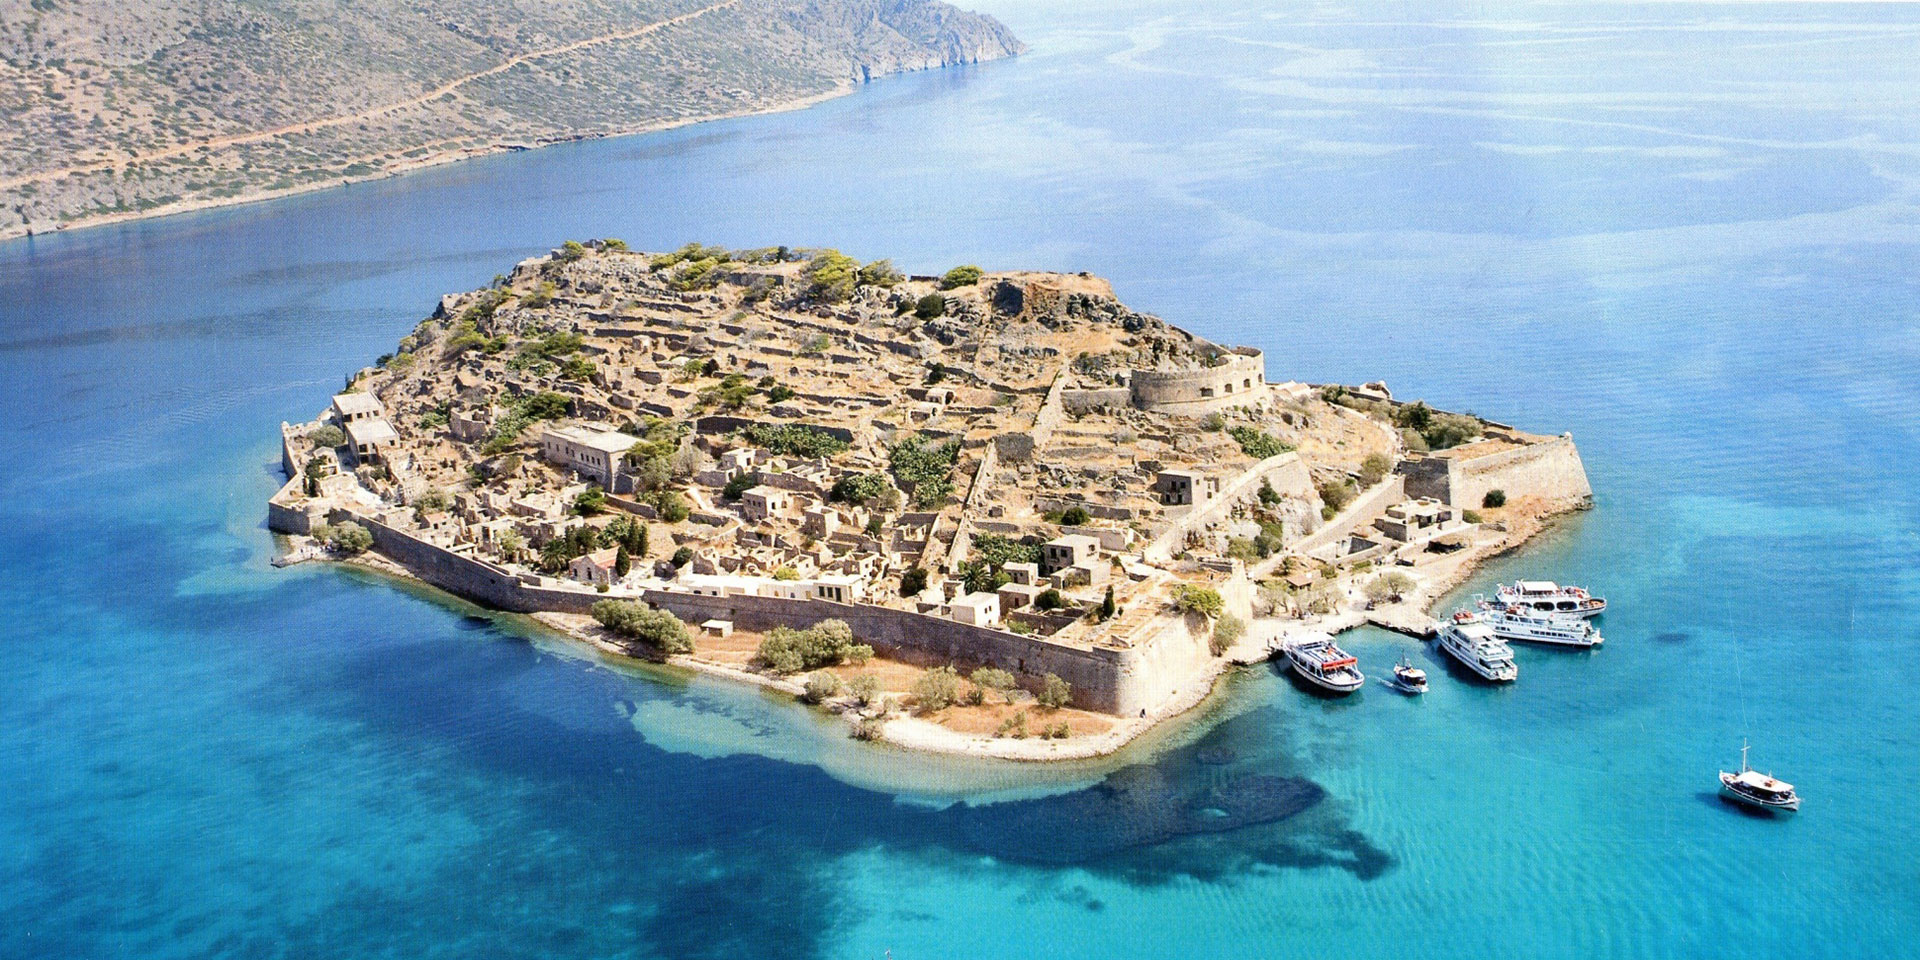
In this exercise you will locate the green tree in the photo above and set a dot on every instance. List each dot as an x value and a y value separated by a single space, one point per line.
511 543
1107 607
622 563
930 306
327 435
1074 516
994 679
1226 631
864 688
913 581
349 538
1493 499
656 628
1054 692
682 557
962 276
1374 468
936 689
1049 599
592 500
1201 600
831 276
880 273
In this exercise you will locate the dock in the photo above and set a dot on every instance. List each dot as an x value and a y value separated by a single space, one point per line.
1413 623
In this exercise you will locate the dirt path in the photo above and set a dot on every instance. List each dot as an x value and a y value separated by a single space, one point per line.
310 126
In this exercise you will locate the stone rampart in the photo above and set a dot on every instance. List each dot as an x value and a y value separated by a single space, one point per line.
1104 398
1550 469
1103 679
1239 381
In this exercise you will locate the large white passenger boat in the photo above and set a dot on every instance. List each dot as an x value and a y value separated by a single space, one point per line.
1518 623
1545 596
1469 638
1323 664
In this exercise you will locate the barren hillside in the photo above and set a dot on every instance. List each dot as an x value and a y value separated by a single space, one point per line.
116 109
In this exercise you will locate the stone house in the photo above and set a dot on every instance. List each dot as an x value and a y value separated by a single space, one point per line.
596 567
1063 552
591 453
976 609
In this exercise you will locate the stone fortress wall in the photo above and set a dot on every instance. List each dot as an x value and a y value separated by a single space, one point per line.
1550 469
1110 680
1240 381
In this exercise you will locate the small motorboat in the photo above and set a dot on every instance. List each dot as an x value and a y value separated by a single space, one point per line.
1408 678
1756 789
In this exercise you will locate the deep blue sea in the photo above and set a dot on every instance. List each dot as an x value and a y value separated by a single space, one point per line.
1687 233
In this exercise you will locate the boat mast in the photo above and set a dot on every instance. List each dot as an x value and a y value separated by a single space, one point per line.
1743 756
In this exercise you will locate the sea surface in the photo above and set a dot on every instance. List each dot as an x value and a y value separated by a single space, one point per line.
1686 233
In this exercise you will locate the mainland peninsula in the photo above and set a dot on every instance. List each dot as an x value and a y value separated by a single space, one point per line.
122 110
990 513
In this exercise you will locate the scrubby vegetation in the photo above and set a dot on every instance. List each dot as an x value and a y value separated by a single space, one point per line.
656 628
825 644
923 469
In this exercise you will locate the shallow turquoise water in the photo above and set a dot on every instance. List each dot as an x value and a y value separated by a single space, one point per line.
1686 233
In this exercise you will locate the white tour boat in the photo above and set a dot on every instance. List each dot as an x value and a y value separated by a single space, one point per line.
1545 596
1757 789
1325 665
1469 638
1512 622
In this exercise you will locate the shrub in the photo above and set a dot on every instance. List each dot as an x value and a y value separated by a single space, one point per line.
1201 600
1107 608
1054 692
1336 494
796 440
880 273
1268 495
857 488
924 470
820 686
1213 423
864 688
962 276
349 538
869 729
1049 599
1074 516
1014 726
786 574
657 628
913 581
930 306
1374 468
592 500
327 435
936 689
672 506
825 644
1243 548
831 276
995 679
740 484
859 653
682 557
1226 631
1258 444
1470 516
1494 498
1060 731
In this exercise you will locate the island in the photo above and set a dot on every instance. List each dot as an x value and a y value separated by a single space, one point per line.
124 110
992 513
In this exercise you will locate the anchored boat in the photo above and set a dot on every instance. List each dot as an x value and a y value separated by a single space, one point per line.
1325 665
1756 789
1468 637
1512 622
1545 596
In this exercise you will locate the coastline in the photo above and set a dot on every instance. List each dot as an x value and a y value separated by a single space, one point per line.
404 167
906 731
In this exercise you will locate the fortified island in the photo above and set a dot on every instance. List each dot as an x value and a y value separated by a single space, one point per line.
990 513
